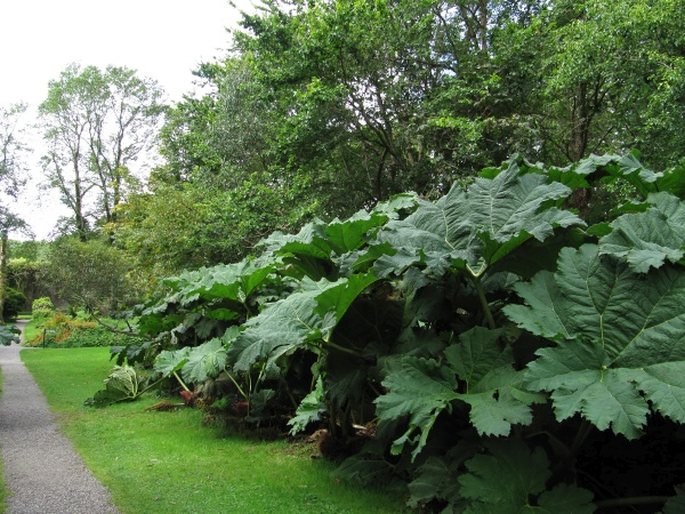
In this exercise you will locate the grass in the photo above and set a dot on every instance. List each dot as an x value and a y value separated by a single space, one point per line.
32 329
3 487
160 462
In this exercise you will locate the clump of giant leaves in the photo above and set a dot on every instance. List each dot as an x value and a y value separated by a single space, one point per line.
492 341
9 334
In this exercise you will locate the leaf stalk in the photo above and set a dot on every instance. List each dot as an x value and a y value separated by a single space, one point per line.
483 301
635 500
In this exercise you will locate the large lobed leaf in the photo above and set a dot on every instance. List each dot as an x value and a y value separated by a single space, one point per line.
476 371
620 335
511 479
309 410
9 334
319 242
168 362
205 361
122 384
479 226
650 238
225 281
306 316
200 297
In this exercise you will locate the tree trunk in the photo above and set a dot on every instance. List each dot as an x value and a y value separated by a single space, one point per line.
580 124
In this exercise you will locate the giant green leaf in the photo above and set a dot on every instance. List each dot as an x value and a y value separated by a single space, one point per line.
224 281
282 326
205 361
219 292
9 334
607 168
422 389
333 302
493 389
648 239
318 240
481 225
309 241
511 206
437 477
306 316
171 361
511 479
346 236
122 384
309 410
620 339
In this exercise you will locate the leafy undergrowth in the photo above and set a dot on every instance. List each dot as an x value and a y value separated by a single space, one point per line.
160 462
60 330
510 332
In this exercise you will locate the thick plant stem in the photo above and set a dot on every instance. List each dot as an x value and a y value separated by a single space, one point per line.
635 500
345 350
582 434
483 302
180 381
237 386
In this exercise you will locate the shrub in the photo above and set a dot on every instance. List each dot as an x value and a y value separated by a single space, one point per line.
63 331
90 275
42 307
14 301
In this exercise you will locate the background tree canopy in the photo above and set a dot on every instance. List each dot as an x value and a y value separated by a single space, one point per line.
324 107
336 105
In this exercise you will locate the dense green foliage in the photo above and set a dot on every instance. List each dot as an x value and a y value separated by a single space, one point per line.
490 329
325 107
14 302
42 307
53 329
8 334
91 275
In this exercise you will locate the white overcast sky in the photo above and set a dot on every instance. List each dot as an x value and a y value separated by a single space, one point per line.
161 39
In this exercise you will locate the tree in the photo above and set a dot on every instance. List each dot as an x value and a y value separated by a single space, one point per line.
597 76
193 225
353 101
97 124
11 180
91 274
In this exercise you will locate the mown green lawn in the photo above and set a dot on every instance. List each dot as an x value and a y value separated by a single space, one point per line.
31 330
161 462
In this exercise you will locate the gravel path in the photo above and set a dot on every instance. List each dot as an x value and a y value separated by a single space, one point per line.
43 473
